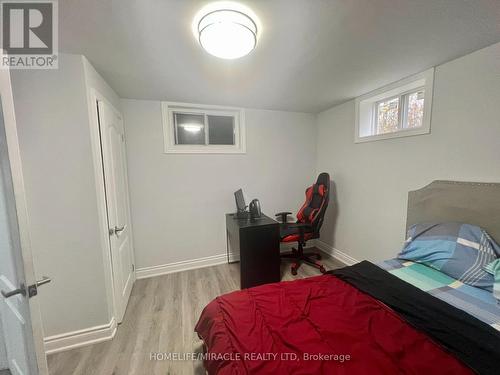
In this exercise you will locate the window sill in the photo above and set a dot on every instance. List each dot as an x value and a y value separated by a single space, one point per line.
207 150
398 134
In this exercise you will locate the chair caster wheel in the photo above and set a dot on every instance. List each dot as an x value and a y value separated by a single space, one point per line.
322 269
294 271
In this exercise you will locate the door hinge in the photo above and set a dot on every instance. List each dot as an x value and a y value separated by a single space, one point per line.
123 138
133 267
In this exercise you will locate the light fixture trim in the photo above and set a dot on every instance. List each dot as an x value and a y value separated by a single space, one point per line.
230 11
245 21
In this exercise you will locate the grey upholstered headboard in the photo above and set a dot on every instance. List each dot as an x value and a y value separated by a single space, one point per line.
465 202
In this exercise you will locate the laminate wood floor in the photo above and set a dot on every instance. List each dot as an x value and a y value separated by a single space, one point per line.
160 318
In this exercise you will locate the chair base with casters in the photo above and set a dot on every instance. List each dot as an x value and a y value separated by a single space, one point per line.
299 257
309 221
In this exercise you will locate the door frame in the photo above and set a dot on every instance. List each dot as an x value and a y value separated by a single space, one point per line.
22 218
93 97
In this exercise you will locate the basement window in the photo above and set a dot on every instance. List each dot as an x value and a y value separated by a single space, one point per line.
397 110
193 129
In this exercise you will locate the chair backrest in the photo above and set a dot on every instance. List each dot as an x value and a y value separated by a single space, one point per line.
314 208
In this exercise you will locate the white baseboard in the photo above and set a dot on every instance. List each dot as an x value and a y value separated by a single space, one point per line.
145 272
336 253
76 339
164 269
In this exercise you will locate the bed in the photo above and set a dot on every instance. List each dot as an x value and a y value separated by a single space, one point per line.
477 302
395 317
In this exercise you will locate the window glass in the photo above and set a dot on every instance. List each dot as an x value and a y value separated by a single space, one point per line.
387 116
189 129
415 110
220 130
203 129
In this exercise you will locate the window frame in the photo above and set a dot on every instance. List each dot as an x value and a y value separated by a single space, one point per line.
170 128
366 108
403 99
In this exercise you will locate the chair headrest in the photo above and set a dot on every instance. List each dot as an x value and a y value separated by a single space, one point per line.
323 179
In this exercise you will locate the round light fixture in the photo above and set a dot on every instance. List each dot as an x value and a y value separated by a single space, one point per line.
227 33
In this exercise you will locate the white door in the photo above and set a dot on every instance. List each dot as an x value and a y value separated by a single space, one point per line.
116 186
19 310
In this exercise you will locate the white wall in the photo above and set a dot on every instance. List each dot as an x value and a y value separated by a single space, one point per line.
53 125
372 179
178 201
93 80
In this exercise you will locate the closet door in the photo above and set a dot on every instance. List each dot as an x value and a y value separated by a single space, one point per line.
117 202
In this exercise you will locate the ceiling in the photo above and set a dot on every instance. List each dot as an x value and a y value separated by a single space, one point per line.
311 55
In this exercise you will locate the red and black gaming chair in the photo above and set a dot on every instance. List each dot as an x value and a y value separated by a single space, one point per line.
309 220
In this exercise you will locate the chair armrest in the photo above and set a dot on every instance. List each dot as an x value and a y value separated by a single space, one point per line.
283 215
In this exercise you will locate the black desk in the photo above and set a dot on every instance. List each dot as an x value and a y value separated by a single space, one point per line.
256 244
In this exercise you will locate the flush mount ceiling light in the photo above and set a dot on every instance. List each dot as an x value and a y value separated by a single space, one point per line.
227 33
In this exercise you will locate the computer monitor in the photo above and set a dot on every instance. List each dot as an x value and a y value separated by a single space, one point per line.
240 201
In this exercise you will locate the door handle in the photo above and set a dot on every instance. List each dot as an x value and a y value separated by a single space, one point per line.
20 290
45 280
33 289
117 230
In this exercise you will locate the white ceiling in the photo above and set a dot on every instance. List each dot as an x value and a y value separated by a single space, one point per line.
312 54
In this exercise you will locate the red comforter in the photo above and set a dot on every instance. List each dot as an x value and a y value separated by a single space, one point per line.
319 325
